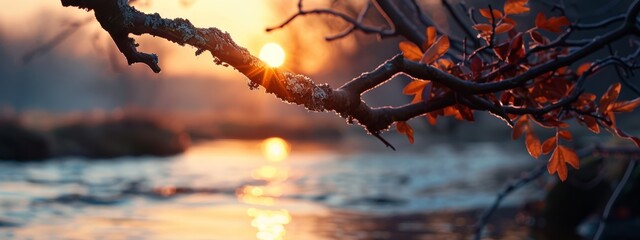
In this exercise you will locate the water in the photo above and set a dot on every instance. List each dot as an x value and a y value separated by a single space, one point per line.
229 190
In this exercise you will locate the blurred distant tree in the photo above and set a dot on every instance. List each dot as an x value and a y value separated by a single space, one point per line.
525 73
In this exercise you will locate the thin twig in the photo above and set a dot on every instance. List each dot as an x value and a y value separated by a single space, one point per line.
607 210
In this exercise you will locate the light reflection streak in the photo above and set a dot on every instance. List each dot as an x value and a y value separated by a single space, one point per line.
270 223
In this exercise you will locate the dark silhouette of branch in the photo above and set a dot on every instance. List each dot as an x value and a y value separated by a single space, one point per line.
511 187
597 150
356 24
631 166
56 40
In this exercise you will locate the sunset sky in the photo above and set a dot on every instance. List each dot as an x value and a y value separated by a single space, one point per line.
88 65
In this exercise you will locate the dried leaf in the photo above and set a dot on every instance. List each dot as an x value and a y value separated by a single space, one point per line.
504 27
431 34
483 27
538 38
583 68
510 21
405 128
565 134
517 49
439 48
416 87
515 7
592 124
533 145
548 145
487 14
609 97
410 50
559 158
520 127
432 118
626 106
553 24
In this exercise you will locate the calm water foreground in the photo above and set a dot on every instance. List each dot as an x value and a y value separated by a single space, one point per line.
261 190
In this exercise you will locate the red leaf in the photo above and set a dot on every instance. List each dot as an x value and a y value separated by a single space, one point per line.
482 27
559 158
538 38
626 106
504 27
404 127
515 6
476 66
439 48
548 145
565 134
553 24
487 14
609 97
502 51
533 145
520 127
517 49
592 124
583 68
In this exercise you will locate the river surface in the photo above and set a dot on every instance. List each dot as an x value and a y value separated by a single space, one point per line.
232 189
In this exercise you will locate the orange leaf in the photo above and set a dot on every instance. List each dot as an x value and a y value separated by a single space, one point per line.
553 24
410 50
439 48
517 49
486 13
609 97
626 106
519 127
538 38
565 134
548 145
533 145
510 21
431 34
559 158
414 87
592 124
404 127
504 27
515 7
583 68
483 27
432 118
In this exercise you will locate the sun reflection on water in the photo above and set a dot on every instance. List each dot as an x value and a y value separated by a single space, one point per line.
270 223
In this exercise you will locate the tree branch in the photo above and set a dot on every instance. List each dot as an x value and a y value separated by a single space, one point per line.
120 20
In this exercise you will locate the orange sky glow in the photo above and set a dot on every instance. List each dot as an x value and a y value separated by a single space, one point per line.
245 24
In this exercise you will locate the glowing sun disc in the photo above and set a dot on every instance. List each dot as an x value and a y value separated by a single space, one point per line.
272 54
275 149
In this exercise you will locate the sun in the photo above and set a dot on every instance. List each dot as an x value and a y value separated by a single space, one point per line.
275 149
272 54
